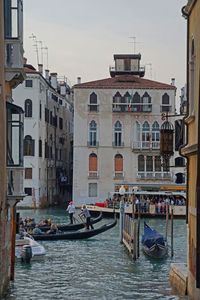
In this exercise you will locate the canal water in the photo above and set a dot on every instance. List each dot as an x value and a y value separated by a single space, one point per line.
98 268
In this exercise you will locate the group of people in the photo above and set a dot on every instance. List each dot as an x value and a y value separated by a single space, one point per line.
85 213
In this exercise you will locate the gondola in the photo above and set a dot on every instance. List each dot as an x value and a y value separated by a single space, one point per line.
72 227
75 235
153 243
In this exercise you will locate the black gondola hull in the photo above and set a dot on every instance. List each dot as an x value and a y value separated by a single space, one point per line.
76 235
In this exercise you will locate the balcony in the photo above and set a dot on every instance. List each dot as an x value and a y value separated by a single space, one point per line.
14 61
148 175
93 175
118 175
132 107
118 145
144 145
165 108
93 108
92 144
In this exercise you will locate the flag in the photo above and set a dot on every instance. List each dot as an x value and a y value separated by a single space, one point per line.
129 104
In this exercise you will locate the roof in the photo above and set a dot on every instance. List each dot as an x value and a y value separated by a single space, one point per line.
124 82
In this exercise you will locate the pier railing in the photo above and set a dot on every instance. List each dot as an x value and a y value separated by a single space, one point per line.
130 236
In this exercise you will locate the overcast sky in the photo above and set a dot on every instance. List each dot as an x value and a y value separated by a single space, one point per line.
83 35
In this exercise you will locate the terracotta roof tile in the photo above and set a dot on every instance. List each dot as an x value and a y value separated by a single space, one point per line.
125 82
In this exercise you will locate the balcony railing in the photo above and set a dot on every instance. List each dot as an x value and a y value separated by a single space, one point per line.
93 144
93 175
118 175
114 144
15 181
93 108
165 108
155 175
145 145
132 107
13 54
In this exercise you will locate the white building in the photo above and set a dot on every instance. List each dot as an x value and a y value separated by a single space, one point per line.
117 125
48 129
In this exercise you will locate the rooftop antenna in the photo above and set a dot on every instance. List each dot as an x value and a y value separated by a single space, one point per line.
134 43
33 37
41 48
46 48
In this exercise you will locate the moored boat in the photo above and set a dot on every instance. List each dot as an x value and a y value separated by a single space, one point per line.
153 243
25 243
75 235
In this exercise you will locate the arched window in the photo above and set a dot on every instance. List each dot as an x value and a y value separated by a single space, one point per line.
29 146
165 103
92 162
179 162
145 135
127 101
155 135
141 167
28 108
117 100
180 178
118 134
93 106
149 164
93 134
118 163
138 132
136 102
146 101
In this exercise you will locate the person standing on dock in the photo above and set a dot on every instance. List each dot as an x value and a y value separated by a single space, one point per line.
85 212
71 210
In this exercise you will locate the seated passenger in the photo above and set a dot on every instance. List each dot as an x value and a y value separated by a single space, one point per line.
53 229
37 230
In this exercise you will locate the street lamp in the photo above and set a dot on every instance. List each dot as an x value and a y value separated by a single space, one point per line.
122 193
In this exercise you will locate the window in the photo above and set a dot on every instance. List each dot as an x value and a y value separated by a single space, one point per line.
117 100
127 64
118 163
127 101
29 146
28 108
179 162
28 83
136 102
146 101
12 10
93 106
93 162
155 135
46 115
60 123
165 103
28 173
145 135
149 163
40 148
40 108
157 163
46 150
93 134
92 190
28 191
118 134
141 163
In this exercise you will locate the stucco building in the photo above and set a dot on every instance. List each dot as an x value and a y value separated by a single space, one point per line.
48 137
117 124
192 148
11 132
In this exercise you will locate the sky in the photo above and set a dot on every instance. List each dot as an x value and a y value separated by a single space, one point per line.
83 35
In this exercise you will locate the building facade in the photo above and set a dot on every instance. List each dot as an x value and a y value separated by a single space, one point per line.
48 130
11 132
191 150
117 125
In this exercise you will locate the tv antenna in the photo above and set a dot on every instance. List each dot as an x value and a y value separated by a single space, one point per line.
46 49
134 43
33 37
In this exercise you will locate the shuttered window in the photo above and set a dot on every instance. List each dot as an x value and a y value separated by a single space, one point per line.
93 162
118 163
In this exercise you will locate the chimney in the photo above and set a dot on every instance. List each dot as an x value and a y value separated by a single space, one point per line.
63 89
54 82
78 80
47 75
40 68
173 81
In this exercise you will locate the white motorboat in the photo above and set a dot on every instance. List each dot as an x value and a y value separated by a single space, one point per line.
28 249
